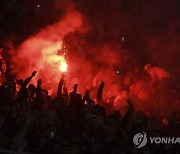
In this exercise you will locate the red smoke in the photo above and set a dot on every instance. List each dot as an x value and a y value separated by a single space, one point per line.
41 51
110 42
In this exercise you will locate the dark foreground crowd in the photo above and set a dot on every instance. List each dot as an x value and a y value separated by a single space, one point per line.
32 121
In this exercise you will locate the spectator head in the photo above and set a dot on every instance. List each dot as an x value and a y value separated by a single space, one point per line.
45 92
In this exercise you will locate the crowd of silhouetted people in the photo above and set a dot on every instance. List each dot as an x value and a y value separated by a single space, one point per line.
32 121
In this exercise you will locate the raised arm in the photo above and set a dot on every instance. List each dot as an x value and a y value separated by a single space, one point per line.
27 80
60 86
100 91
129 113
23 93
65 90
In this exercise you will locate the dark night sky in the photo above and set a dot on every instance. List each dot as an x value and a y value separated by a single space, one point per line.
116 17
20 19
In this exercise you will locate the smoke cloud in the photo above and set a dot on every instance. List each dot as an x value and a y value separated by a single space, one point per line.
41 52
110 41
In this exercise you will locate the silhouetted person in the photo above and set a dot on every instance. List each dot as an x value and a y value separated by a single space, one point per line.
39 101
24 92
32 91
87 99
75 101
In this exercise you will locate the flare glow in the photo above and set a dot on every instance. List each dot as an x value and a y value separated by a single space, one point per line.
51 56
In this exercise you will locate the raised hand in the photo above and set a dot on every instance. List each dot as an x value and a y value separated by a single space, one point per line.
34 73
60 86
28 80
102 82
39 82
100 91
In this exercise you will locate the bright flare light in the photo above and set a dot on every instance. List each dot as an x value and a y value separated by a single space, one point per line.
63 67
51 56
